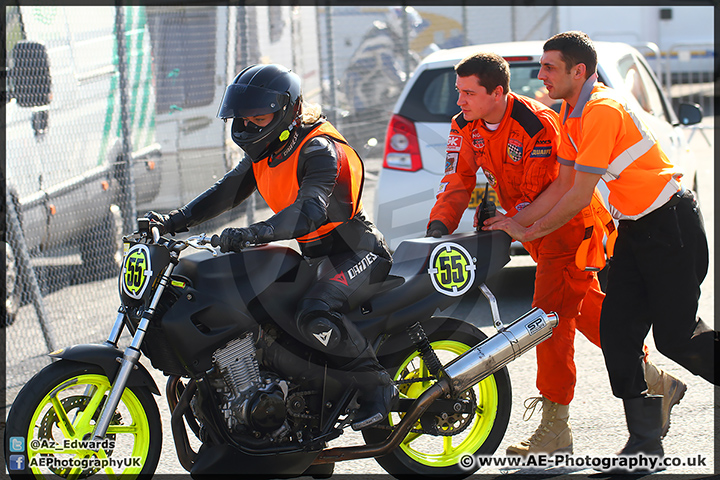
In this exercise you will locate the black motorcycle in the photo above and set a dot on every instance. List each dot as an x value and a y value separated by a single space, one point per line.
258 400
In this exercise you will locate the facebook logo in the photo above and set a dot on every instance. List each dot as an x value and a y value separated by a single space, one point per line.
17 444
17 462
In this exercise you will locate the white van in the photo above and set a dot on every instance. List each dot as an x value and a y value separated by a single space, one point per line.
64 143
64 136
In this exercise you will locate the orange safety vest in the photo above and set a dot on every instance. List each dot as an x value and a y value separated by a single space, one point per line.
279 185
619 147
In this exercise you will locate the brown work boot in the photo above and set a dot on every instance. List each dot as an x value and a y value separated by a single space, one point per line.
671 388
552 435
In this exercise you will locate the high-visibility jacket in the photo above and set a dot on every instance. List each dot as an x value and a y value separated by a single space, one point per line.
519 161
602 135
279 184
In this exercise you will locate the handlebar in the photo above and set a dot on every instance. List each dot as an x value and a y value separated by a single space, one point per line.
155 234
201 242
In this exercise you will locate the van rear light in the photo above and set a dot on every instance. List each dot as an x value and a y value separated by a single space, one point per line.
402 149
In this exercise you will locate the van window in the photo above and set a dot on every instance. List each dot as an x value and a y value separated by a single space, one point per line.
440 96
13 34
183 42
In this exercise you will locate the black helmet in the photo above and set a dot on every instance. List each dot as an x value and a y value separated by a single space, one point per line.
260 90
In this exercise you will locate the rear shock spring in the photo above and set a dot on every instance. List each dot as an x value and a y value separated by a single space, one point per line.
420 340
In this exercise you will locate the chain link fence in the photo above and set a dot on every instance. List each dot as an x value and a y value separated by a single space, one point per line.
110 112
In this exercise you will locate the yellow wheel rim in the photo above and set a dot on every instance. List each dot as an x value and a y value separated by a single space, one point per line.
443 451
67 416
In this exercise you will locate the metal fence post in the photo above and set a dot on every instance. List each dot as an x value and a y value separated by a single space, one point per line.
127 186
25 271
466 40
243 36
332 114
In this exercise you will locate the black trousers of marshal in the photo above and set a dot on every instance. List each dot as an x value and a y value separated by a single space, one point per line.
654 280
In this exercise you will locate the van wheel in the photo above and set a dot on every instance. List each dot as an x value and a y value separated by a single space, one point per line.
13 284
101 249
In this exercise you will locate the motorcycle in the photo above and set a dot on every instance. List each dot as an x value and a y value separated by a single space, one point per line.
256 399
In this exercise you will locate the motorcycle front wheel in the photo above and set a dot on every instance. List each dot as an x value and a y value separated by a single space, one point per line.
54 416
455 439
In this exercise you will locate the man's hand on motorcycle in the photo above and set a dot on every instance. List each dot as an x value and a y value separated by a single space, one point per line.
436 229
508 225
235 239
161 221
497 218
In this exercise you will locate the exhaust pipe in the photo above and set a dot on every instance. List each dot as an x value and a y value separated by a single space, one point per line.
492 354
481 361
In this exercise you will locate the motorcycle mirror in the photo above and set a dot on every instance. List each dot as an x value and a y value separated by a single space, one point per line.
143 225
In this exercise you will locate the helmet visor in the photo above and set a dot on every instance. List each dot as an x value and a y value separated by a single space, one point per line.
249 101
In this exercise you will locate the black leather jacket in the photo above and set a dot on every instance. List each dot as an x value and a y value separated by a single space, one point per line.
314 206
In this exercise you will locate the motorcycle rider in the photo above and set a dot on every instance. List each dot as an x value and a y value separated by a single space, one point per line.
312 179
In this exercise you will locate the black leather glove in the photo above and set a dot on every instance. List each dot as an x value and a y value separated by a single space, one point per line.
235 239
436 229
161 221
172 223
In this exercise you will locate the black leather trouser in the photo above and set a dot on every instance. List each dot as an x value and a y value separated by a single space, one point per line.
654 280
343 282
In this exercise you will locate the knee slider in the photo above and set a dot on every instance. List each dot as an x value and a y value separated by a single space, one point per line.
319 325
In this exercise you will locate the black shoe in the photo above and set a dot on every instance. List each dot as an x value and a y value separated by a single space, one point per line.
644 422
376 402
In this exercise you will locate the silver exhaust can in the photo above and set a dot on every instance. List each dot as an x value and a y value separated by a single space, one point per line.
492 354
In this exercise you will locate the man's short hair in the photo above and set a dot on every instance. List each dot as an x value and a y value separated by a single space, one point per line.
491 69
575 47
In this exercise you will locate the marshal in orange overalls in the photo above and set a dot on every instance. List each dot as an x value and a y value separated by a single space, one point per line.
519 161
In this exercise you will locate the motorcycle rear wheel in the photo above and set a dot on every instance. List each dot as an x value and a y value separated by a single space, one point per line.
58 408
446 455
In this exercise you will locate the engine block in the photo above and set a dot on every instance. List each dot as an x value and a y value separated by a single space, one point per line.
237 363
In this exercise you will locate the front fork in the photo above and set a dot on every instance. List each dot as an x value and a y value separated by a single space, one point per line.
131 356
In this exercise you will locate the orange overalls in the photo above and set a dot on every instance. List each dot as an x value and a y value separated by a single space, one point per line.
519 161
